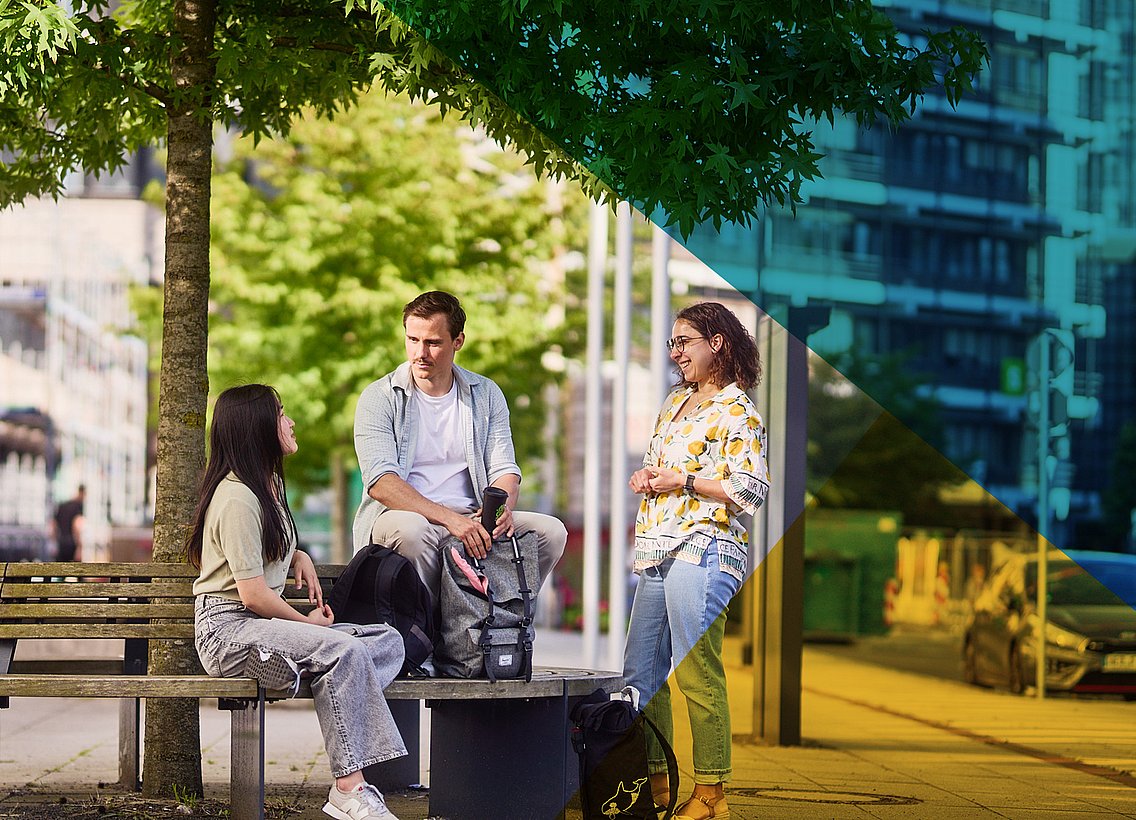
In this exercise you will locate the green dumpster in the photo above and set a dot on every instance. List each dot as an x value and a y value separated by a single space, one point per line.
832 597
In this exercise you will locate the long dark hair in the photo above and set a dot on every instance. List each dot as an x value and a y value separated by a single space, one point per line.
737 360
245 440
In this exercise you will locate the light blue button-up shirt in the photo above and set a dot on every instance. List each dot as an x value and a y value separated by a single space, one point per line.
386 436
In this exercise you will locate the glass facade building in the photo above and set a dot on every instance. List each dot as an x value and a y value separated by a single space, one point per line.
961 236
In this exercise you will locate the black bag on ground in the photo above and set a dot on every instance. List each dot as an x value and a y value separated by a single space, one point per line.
610 738
486 620
380 586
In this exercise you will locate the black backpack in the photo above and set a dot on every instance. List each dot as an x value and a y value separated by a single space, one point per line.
610 738
380 586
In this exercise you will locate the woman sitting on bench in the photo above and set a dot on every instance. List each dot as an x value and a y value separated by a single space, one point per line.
244 543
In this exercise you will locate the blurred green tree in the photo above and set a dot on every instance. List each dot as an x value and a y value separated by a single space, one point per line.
320 238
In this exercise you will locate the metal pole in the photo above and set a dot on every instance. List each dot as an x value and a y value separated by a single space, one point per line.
779 611
621 351
660 314
767 522
1045 365
597 263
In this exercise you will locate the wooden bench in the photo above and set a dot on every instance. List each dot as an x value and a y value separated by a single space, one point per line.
524 725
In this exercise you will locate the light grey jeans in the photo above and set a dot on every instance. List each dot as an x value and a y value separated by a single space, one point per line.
350 666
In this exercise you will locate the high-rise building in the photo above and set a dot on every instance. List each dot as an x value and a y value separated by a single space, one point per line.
961 236
73 372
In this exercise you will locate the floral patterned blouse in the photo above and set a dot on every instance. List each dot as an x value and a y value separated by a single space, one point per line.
723 439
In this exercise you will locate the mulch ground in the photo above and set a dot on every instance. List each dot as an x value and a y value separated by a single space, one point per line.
106 802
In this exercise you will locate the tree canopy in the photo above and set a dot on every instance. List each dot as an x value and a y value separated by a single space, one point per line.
695 109
699 111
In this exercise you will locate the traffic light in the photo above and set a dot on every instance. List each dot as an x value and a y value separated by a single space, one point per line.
1060 380
1052 404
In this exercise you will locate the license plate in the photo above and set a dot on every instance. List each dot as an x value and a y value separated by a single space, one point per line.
1120 662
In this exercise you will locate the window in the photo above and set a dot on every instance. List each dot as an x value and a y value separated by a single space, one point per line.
1090 184
1017 75
1092 96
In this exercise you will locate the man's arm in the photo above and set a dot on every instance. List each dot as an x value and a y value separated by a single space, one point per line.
510 483
500 457
376 436
395 494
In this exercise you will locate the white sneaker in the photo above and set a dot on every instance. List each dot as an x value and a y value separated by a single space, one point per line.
364 802
273 671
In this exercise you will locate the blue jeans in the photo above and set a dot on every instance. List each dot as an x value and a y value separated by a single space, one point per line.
679 615
350 667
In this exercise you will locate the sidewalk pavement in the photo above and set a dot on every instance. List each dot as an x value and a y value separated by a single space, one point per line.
877 744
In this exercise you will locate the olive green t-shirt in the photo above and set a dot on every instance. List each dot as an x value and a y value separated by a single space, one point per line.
232 546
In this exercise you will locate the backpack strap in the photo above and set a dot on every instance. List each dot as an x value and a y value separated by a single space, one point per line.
484 639
525 642
672 767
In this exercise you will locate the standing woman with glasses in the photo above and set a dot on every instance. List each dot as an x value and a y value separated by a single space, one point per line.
244 544
704 469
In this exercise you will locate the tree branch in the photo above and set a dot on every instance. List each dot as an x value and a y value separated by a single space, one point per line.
150 89
292 42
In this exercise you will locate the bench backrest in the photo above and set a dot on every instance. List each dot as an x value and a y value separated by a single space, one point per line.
136 602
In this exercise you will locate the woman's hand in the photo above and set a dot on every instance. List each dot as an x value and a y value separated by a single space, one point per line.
305 572
664 481
321 616
640 481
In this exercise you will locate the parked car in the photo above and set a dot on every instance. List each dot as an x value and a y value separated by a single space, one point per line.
1090 631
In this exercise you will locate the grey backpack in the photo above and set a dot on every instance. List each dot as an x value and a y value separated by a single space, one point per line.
487 610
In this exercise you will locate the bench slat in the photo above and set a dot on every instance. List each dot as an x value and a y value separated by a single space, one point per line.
54 569
69 666
546 682
126 686
89 610
178 629
95 589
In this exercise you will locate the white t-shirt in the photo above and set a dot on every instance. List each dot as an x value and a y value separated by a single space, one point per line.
440 471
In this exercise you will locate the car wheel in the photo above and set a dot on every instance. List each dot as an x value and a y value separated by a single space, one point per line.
1014 671
970 663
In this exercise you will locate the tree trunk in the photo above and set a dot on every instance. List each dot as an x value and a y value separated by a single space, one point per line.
173 732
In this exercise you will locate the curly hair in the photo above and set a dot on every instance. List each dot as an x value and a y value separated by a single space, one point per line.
738 359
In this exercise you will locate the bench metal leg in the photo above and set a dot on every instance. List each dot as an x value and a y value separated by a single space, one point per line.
401 772
529 770
246 786
129 720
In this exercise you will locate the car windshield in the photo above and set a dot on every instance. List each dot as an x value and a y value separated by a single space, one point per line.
1095 584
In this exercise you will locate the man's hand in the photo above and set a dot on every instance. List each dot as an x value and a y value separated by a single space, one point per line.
504 527
470 532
